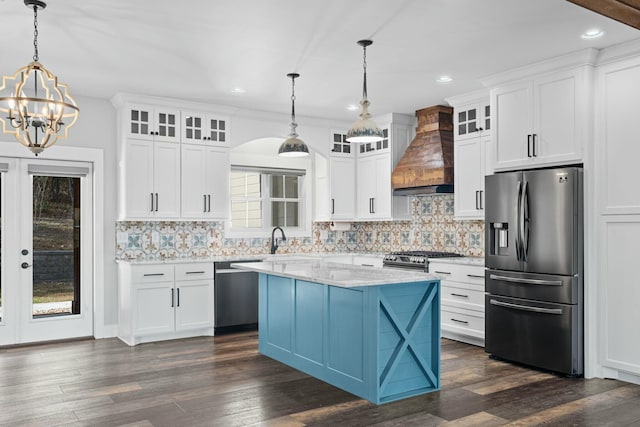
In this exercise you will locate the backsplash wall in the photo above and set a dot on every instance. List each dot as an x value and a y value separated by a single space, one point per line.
432 227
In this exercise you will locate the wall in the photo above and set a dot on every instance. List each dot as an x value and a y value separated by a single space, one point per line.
432 227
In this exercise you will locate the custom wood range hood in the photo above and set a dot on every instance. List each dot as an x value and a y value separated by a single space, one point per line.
427 165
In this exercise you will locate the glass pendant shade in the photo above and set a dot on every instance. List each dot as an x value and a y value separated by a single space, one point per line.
293 146
37 110
364 130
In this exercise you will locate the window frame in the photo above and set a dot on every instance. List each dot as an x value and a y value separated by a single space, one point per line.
304 215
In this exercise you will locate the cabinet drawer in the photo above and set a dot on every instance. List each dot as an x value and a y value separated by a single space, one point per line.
458 273
194 271
152 273
462 322
472 299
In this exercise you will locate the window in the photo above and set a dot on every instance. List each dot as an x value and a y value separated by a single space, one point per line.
265 198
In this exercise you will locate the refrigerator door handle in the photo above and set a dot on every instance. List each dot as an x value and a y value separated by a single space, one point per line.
524 222
526 307
526 281
518 222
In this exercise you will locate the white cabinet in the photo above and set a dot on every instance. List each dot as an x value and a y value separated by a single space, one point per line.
542 121
374 186
205 182
164 301
471 120
612 291
472 152
152 123
462 300
150 180
342 182
202 128
469 159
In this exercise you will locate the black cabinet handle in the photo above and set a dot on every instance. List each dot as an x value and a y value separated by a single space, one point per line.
333 206
178 305
204 197
477 199
481 198
172 298
528 145
442 272
151 201
460 321
156 202
535 154
460 295
208 202
475 275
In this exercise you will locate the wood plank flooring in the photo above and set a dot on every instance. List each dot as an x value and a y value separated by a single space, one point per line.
224 381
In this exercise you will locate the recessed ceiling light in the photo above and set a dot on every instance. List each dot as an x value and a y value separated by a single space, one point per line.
352 107
593 33
238 90
444 79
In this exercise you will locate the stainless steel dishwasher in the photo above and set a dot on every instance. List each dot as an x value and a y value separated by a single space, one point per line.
235 297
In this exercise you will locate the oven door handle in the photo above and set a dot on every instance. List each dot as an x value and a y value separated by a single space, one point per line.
526 281
526 307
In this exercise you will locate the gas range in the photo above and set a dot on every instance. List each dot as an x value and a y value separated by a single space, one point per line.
415 260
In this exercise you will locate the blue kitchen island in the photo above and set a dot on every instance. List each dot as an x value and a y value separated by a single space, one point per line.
370 331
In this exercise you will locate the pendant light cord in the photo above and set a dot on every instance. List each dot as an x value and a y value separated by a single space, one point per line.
293 100
364 67
35 33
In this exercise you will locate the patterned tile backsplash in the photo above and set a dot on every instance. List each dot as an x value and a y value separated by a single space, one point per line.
432 227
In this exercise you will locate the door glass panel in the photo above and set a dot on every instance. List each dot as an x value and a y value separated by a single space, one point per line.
56 246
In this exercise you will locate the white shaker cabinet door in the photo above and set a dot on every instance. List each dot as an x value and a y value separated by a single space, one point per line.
194 304
218 192
138 177
512 109
166 180
153 308
194 182
343 190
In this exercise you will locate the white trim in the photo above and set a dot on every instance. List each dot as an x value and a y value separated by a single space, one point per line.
95 156
572 60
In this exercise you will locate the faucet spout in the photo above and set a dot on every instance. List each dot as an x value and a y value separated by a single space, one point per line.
274 245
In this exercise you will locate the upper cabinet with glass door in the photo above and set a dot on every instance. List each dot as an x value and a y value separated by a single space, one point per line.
205 129
368 147
339 145
471 120
152 123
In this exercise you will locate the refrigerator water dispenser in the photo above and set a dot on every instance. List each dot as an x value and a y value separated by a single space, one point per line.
499 244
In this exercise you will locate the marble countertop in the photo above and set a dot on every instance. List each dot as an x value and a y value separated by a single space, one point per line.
256 257
465 260
336 274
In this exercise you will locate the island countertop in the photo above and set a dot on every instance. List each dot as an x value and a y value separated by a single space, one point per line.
335 274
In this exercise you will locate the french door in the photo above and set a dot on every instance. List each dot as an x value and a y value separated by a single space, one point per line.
46 265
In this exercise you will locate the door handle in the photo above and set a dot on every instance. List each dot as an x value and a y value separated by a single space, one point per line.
476 276
529 145
333 206
178 292
204 197
25 265
525 222
481 197
477 202
151 202
526 281
156 202
460 321
535 136
442 272
518 221
172 298
208 202
526 307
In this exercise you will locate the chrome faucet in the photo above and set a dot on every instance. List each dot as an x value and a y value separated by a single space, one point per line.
274 245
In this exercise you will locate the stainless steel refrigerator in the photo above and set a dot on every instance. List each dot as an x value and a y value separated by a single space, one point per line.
534 275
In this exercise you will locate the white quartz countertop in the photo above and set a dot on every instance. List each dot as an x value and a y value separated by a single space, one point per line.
465 260
257 257
336 274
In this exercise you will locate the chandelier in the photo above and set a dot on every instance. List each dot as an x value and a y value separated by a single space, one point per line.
293 146
365 129
38 108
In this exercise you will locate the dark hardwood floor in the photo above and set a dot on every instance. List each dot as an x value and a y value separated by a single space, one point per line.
224 381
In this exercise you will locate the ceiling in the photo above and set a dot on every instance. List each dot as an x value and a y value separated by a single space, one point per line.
201 49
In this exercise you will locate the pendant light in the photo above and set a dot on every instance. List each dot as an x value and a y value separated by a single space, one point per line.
293 146
38 108
365 129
